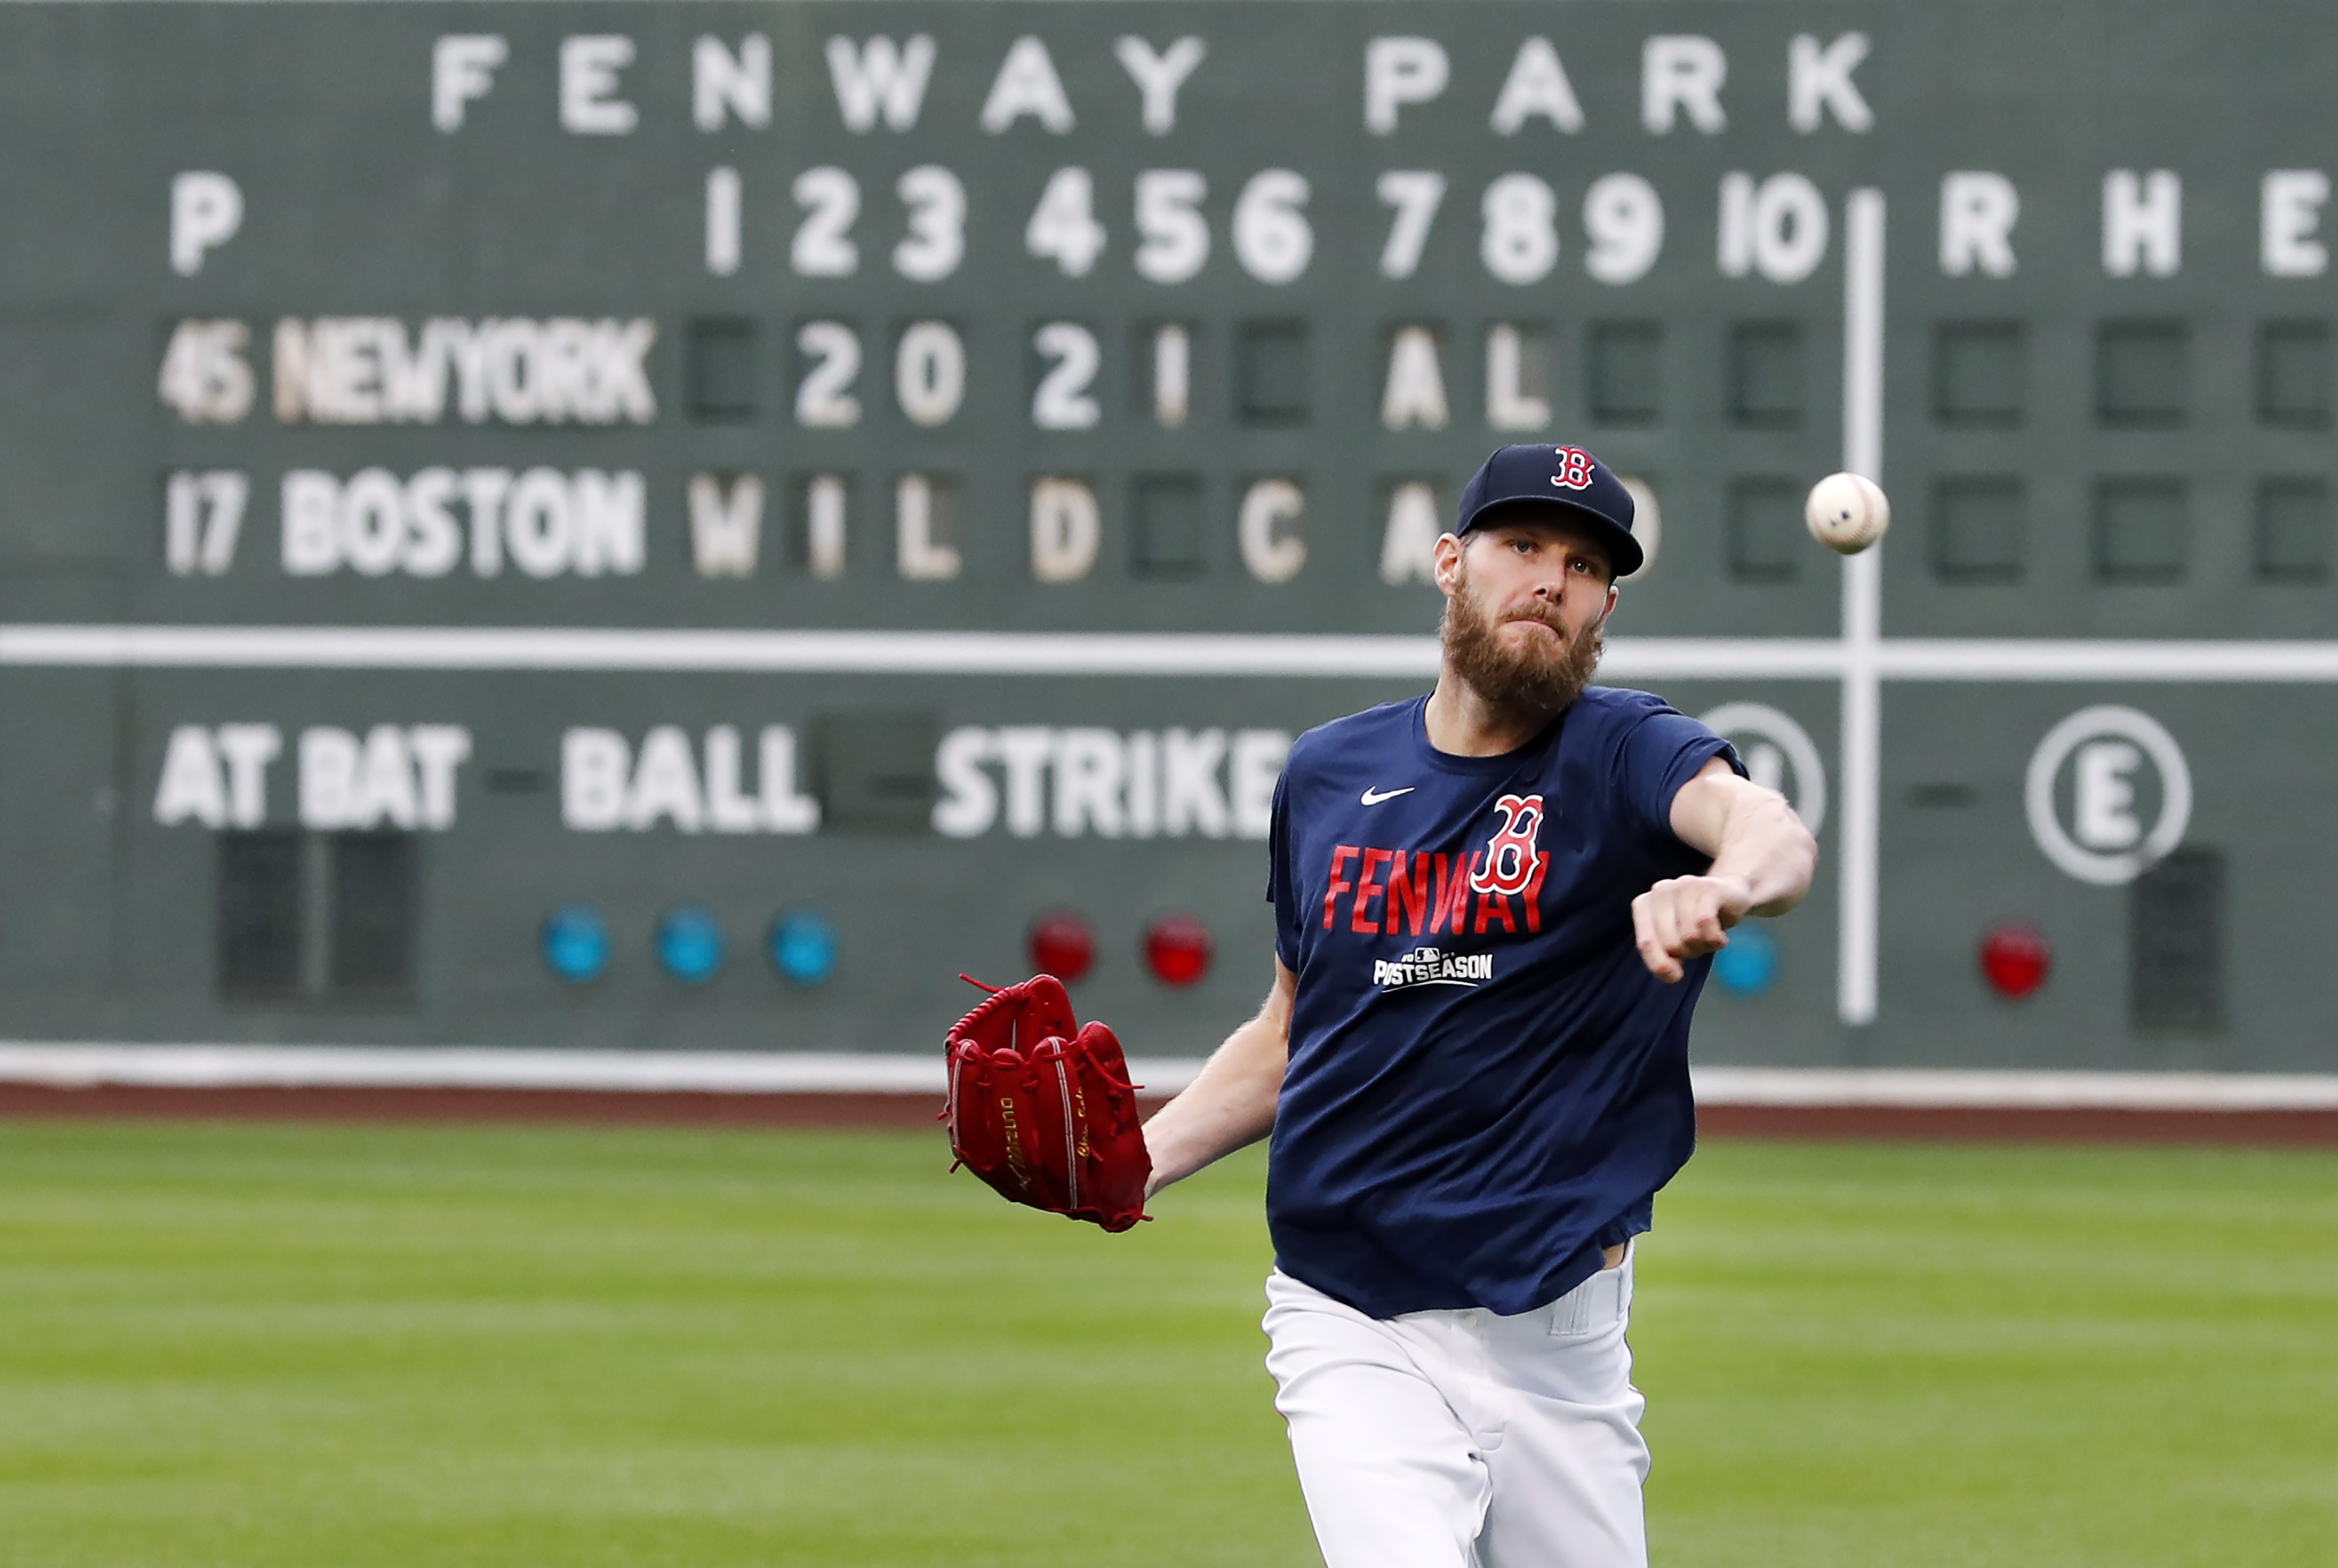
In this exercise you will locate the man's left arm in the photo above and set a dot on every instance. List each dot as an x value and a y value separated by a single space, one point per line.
1762 860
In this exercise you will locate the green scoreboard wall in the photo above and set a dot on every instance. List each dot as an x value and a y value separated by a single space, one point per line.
760 504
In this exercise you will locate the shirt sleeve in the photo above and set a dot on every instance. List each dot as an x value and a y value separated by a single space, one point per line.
1659 754
1281 888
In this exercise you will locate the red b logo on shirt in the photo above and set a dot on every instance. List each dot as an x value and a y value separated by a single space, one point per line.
1509 865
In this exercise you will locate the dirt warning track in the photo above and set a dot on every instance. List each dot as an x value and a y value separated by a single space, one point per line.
842 1090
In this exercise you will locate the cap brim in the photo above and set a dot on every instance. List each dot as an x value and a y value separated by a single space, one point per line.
1624 553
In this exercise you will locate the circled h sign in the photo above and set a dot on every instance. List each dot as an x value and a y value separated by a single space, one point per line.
1809 796
2107 721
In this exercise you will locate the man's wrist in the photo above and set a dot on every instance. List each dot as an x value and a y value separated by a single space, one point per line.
1738 891
1160 1148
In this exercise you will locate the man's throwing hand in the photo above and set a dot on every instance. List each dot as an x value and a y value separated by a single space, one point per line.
1685 917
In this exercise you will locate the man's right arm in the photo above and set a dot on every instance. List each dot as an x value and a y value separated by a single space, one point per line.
1231 1101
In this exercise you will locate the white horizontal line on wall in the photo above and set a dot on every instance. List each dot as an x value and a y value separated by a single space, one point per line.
79 1065
1086 653
1949 1088
808 652
461 1067
2088 658
1722 658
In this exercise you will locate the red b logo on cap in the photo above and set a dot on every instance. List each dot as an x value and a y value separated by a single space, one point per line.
1575 468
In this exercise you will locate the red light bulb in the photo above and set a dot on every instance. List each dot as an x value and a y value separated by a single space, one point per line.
2015 958
1177 949
1062 946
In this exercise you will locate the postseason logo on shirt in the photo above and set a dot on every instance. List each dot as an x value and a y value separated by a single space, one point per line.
1432 966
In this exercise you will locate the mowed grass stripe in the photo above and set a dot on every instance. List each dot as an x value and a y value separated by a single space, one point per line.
252 1346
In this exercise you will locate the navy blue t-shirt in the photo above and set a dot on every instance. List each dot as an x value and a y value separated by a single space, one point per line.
1485 1085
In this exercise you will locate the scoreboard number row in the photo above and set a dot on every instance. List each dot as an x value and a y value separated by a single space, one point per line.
1772 227
1272 237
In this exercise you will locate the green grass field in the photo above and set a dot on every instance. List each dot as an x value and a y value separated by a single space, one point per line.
336 1348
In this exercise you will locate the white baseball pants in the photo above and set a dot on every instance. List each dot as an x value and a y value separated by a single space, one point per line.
1465 1439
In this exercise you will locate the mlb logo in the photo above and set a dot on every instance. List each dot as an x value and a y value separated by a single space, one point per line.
1574 468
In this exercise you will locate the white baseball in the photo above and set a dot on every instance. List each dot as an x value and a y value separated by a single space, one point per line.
1847 513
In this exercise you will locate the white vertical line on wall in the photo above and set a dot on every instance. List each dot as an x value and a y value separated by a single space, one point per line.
1859 826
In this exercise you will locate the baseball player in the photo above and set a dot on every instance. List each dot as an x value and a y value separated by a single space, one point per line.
1494 908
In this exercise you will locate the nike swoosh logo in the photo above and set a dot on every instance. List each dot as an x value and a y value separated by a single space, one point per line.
1374 796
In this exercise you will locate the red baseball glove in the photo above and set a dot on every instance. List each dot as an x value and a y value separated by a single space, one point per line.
1042 1110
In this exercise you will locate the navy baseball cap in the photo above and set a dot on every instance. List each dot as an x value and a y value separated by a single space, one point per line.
1567 477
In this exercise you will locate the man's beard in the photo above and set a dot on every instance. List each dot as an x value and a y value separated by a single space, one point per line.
1539 677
